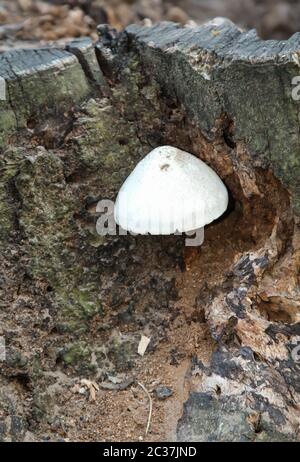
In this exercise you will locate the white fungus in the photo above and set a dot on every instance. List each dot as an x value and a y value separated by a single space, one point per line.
170 191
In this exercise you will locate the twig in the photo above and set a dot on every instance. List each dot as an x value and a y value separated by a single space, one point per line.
150 407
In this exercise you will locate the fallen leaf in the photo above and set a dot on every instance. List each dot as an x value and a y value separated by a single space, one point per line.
144 342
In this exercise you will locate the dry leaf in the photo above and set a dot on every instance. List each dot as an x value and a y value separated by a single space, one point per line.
92 386
144 342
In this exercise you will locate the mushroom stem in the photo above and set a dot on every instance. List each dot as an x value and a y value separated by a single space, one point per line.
197 240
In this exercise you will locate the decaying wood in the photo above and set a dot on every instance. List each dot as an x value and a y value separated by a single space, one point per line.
79 120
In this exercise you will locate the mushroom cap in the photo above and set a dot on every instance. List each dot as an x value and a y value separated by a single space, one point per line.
170 191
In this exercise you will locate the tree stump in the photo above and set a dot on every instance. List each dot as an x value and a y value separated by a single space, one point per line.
73 126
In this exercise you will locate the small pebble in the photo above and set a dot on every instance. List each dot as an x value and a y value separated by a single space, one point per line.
163 392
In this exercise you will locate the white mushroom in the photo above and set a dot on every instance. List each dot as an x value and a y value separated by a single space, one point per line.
170 191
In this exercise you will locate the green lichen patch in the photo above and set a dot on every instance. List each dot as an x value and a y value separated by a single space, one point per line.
122 353
76 353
